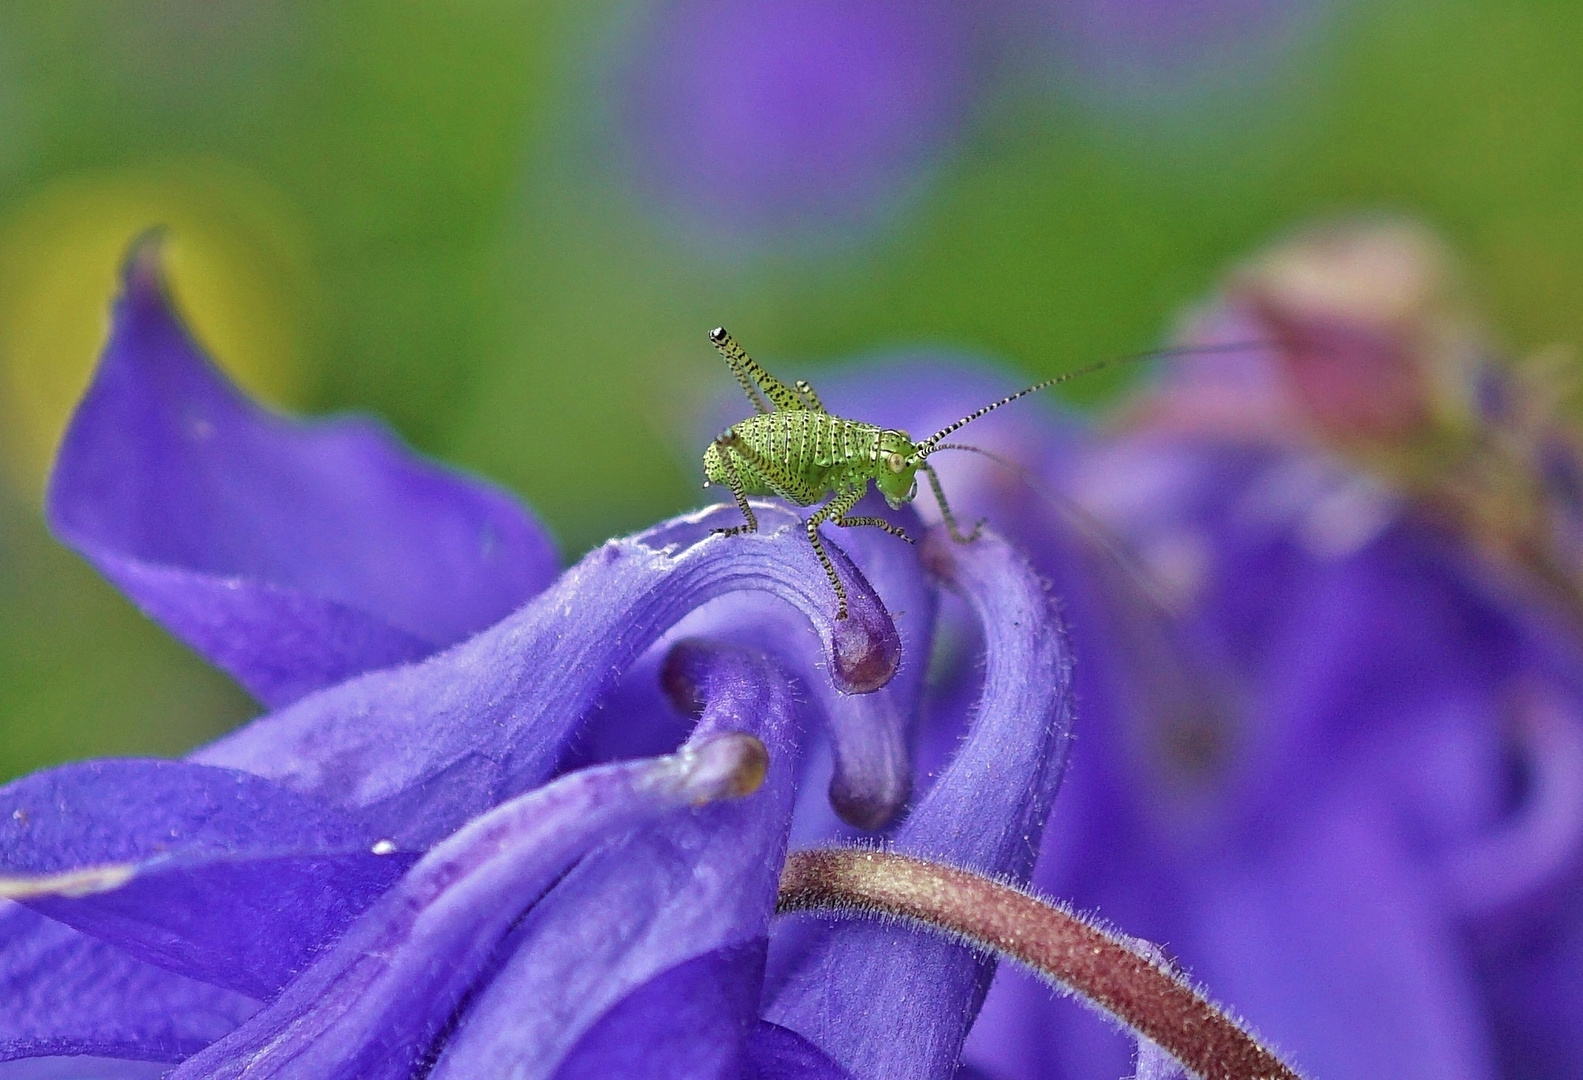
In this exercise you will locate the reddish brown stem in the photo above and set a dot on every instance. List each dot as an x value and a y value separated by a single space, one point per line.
1144 995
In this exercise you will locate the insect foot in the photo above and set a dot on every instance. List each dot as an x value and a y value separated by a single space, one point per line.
978 530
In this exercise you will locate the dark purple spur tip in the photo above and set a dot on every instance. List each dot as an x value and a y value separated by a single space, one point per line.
867 802
1108 971
683 675
864 648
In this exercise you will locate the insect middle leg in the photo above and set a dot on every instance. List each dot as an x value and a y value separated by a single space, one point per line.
876 522
945 509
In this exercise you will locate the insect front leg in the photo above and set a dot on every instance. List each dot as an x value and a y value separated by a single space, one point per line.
836 508
945 509
725 447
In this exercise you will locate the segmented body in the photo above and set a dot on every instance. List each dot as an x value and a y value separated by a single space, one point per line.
799 455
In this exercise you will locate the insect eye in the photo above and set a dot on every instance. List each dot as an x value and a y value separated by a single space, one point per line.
896 462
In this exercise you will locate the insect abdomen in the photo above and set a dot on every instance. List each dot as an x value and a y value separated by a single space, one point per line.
808 453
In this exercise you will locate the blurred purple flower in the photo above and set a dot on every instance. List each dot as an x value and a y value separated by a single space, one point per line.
1325 603
1162 54
402 872
760 117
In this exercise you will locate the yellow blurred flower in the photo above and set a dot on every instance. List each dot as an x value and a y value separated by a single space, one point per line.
237 260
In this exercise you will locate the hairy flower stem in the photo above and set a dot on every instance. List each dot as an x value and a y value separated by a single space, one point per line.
1073 954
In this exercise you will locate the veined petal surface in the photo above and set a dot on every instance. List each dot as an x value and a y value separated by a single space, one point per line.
292 554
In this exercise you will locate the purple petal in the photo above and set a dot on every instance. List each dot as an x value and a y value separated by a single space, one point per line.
1536 848
372 1005
1333 944
768 115
1536 992
294 555
681 889
403 747
210 873
779 1054
886 1001
872 774
68 994
688 1023
1268 870
77 1067
868 733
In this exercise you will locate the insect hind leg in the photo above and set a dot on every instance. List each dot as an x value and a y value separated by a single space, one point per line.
807 393
835 509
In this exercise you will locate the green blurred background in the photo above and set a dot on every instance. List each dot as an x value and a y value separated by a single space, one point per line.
410 208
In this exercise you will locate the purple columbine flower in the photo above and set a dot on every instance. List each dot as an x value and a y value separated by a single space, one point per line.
769 117
1325 602
505 822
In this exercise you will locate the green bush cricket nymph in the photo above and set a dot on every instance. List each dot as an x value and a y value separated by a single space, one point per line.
793 448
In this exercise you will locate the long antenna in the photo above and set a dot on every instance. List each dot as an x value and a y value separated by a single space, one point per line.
928 446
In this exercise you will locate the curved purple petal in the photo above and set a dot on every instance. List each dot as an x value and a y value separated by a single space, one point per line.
887 1001
210 873
681 889
294 555
1334 945
776 1053
869 734
371 1006
68 994
404 749
688 1023
871 778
